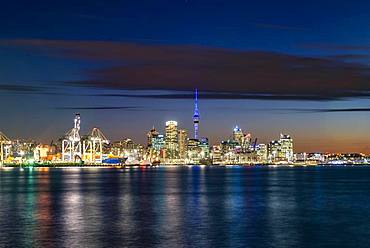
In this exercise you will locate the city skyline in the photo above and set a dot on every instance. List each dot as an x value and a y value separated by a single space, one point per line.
141 138
265 67
236 134
184 123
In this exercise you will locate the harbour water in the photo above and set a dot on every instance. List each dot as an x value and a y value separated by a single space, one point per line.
185 207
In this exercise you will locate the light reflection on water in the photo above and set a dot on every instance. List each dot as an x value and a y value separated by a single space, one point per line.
189 206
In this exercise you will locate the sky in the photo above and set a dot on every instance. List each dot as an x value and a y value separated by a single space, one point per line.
270 67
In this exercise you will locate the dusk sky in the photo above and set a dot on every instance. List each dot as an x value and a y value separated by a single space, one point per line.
266 66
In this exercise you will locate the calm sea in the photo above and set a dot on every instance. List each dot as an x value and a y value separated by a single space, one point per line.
185 207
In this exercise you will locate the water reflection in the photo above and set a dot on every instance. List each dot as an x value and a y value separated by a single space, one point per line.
194 207
44 233
71 211
281 207
17 206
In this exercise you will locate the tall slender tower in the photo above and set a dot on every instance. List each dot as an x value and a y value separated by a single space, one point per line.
196 115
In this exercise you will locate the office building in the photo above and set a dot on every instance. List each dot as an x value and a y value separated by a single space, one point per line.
171 140
182 143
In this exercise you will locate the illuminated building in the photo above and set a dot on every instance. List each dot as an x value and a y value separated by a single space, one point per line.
196 116
286 147
22 150
171 145
198 151
216 155
150 136
128 144
239 149
238 135
182 140
246 142
151 151
261 152
300 157
194 151
204 147
315 157
241 139
135 155
274 151
126 148
232 153
228 146
117 149
158 142
5 145
281 150
43 153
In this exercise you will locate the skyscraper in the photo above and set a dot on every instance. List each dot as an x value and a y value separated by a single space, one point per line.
171 140
281 150
274 151
196 115
150 135
194 151
182 138
286 147
158 143
204 146
238 135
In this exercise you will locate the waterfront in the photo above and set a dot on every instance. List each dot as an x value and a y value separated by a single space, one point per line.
185 206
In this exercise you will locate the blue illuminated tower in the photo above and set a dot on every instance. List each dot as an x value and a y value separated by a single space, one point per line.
196 115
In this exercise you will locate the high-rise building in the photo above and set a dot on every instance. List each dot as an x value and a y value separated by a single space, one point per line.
5 145
150 135
246 142
171 144
204 146
194 151
286 147
196 116
228 146
273 151
158 142
127 148
238 135
281 150
261 150
182 140
216 155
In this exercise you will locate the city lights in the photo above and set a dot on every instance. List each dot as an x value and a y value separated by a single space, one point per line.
174 147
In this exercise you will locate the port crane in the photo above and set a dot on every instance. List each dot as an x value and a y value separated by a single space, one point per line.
93 146
71 143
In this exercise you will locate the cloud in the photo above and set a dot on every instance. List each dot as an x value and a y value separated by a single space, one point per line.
336 47
222 73
351 56
220 96
332 110
124 108
98 108
16 88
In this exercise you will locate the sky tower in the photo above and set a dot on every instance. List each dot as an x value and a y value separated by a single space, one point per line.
196 115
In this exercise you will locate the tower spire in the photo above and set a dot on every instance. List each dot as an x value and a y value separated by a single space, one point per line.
196 115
